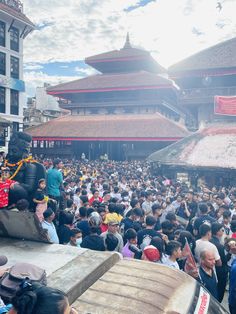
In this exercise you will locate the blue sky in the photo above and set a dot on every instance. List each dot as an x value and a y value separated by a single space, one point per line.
67 31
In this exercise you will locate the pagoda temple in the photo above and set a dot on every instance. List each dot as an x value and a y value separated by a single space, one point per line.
126 111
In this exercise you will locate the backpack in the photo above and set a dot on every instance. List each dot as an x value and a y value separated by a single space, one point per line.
11 280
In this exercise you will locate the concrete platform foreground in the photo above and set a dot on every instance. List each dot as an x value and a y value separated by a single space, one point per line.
70 269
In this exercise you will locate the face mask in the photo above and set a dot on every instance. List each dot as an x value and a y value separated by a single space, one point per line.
78 242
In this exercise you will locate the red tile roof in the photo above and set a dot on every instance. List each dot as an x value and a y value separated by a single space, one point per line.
111 127
103 82
213 147
220 56
16 14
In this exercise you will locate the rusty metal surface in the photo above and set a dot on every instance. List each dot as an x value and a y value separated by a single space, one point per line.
21 225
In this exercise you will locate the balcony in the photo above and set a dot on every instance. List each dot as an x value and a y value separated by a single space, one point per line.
204 95
14 4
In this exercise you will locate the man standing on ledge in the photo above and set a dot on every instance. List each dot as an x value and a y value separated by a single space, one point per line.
55 181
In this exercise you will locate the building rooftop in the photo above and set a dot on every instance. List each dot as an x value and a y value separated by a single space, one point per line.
15 9
213 147
109 82
220 56
125 59
127 127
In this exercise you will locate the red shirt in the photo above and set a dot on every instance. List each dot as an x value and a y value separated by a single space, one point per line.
92 200
233 235
4 192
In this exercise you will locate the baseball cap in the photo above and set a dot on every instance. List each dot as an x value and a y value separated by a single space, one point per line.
151 253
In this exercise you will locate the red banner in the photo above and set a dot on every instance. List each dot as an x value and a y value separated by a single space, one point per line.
225 105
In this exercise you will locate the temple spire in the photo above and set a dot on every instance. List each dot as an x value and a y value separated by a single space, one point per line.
127 42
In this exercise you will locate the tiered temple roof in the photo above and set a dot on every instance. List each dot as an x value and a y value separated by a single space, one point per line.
110 128
215 60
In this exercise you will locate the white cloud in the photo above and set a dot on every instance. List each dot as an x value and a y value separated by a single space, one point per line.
76 29
86 71
32 67
37 79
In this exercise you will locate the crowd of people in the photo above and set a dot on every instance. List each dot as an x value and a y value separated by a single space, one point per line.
123 207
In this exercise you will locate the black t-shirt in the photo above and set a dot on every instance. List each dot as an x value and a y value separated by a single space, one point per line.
210 282
146 235
93 242
64 234
201 220
83 225
39 195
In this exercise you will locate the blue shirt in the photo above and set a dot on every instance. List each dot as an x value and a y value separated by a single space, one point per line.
52 233
54 181
232 284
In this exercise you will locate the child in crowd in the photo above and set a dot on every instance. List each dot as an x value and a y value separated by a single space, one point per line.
129 248
5 185
41 199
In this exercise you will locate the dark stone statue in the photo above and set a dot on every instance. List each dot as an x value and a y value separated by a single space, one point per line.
26 171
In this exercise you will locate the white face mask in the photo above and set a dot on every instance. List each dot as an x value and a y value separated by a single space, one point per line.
78 242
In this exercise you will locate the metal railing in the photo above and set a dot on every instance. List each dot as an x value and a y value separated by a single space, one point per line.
15 4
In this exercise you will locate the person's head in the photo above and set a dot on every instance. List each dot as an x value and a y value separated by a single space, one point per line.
69 203
95 194
102 212
49 215
131 236
111 242
173 249
149 196
151 254
150 221
134 203
57 163
233 226
5 173
230 246
172 218
95 221
207 259
116 189
206 197
83 212
66 218
137 214
22 205
34 298
186 235
220 199
217 230
203 208
167 228
158 243
226 217
113 226
42 184
205 231
156 210
75 237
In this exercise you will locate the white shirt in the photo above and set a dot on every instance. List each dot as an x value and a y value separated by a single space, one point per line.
168 262
204 245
